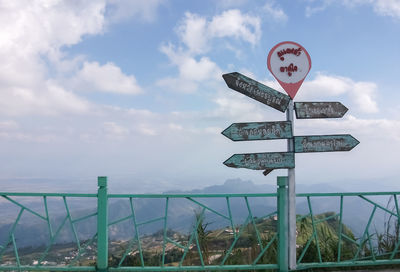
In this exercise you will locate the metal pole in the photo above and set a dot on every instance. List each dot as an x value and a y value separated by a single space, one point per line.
282 183
292 195
102 225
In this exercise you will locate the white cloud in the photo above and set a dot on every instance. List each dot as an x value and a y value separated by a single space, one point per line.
175 127
274 11
62 100
179 85
387 8
386 130
374 158
322 5
236 107
233 23
141 113
213 130
33 34
115 131
361 93
30 27
147 130
192 72
32 30
29 137
49 99
8 125
327 85
196 31
381 7
382 128
199 70
193 33
10 130
106 78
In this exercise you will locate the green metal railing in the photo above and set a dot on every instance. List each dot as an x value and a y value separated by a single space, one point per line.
39 264
375 245
172 232
193 239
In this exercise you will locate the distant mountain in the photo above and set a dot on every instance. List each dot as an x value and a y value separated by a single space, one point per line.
239 186
231 186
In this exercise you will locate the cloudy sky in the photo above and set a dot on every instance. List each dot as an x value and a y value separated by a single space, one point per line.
133 90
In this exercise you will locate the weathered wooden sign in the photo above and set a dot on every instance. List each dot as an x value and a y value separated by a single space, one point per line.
310 110
256 90
262 161
259 131
324 143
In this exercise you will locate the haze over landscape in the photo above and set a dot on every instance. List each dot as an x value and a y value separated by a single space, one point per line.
133 90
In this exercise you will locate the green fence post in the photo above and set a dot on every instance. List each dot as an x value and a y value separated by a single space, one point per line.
102 225
283 251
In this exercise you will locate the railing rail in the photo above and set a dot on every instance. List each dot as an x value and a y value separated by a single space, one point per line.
196 232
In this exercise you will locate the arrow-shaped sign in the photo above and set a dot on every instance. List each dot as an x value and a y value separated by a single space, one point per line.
258 131
256 90
309 110
324 143
262 161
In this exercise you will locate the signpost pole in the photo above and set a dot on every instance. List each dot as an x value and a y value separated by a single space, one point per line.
102 225
291 195
282 224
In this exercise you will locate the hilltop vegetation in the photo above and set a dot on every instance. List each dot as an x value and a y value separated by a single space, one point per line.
328 240
214 244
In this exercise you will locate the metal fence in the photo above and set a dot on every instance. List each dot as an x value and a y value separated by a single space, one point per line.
196 232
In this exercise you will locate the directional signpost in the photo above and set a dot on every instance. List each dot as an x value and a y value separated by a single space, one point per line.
310 110
324 143
289 63
258 131
256 90
262 161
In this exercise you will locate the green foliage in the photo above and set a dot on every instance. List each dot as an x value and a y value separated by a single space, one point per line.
236 257
389 238
149 259
174 255
326 227
202 235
